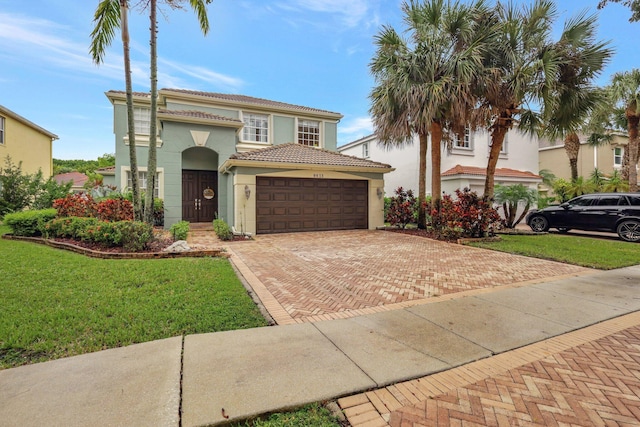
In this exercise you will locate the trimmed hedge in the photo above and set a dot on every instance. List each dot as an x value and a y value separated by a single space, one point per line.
222 229
179 230
29 223
133 236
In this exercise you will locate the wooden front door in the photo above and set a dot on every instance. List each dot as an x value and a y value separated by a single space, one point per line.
198 205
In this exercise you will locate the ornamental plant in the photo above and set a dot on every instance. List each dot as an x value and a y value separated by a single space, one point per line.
401 209
117 209
80 205
466 216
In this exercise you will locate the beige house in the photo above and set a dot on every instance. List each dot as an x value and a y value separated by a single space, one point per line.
606 158
25 142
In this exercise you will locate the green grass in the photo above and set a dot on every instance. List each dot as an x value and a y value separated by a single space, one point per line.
57 303
585 251
309 416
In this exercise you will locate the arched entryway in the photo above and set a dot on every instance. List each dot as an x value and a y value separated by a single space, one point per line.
199 184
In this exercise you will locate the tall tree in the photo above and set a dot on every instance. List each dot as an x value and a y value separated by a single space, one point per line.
581 59
199 7
625 92
110 15
520 73
423 83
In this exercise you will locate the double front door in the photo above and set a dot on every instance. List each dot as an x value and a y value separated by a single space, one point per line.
199 195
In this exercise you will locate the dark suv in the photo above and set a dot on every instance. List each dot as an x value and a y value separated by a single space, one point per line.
614 212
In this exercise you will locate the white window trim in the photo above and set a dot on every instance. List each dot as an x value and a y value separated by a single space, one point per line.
365 150
320 131
269 127
466 151
618 165
125 170
3 130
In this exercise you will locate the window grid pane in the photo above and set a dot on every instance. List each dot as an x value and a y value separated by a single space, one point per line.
1 130
617 156
256 128
465 142
142 180
142 120
309 133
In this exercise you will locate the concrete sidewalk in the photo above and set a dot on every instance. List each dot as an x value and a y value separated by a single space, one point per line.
215 378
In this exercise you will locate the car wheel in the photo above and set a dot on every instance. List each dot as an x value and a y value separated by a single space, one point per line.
563 230
539 223
629 230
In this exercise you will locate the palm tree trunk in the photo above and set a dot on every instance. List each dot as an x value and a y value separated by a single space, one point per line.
632 125
436 161
572 148
133 159
497 138
422 178
152 161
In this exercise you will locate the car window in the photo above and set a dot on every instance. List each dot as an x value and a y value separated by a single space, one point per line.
609 201
581 201
635 200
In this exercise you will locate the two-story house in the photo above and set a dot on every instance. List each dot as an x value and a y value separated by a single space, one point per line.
263 166
464 161
26 142
605 157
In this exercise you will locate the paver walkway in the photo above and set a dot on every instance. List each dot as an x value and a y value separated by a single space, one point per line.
338 274
589 377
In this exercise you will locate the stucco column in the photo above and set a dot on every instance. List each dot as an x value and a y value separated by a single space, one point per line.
244 203
376 203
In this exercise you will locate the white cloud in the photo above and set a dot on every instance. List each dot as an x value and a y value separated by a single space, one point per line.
351 129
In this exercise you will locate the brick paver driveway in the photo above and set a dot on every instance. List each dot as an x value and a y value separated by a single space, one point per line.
323 275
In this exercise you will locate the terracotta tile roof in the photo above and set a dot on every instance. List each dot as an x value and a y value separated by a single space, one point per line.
302 154
77 178
198 115
250 100
122 92
500 172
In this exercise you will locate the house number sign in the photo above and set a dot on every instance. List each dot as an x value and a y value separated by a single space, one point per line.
208 193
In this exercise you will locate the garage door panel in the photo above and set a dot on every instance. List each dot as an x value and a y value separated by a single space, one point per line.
304 204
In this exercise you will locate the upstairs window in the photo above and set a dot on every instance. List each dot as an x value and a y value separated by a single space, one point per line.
464 142
617 156
1 130
142 120
256 127
365 150
309 133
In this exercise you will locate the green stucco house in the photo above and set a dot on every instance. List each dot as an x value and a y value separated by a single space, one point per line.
262 166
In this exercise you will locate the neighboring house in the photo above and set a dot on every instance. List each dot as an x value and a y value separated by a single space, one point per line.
25 142
463 165
262 166
77 180
108 175
606 158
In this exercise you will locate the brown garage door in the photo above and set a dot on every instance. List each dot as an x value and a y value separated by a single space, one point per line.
302 204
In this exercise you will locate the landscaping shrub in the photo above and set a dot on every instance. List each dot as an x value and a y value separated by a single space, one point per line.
467 216
158 212
106 234
117 209
77 205
222 229
179 230
29 223
401 210
135 235
70 227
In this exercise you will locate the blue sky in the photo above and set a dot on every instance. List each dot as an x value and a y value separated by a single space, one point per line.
308 52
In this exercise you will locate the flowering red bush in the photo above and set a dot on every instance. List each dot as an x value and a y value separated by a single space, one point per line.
467 216
401 208
114 210
80 205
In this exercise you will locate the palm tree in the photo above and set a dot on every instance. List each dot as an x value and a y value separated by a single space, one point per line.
625 93
422 85
110 15
581 60
634 5
615 183
199 7
511 196
522 71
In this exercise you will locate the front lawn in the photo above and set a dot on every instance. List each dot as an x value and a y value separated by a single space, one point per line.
585 251
57 304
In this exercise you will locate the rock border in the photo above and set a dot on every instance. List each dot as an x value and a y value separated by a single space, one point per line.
219 252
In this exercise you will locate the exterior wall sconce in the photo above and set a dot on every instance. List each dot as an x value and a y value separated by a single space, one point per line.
247 192
379 192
